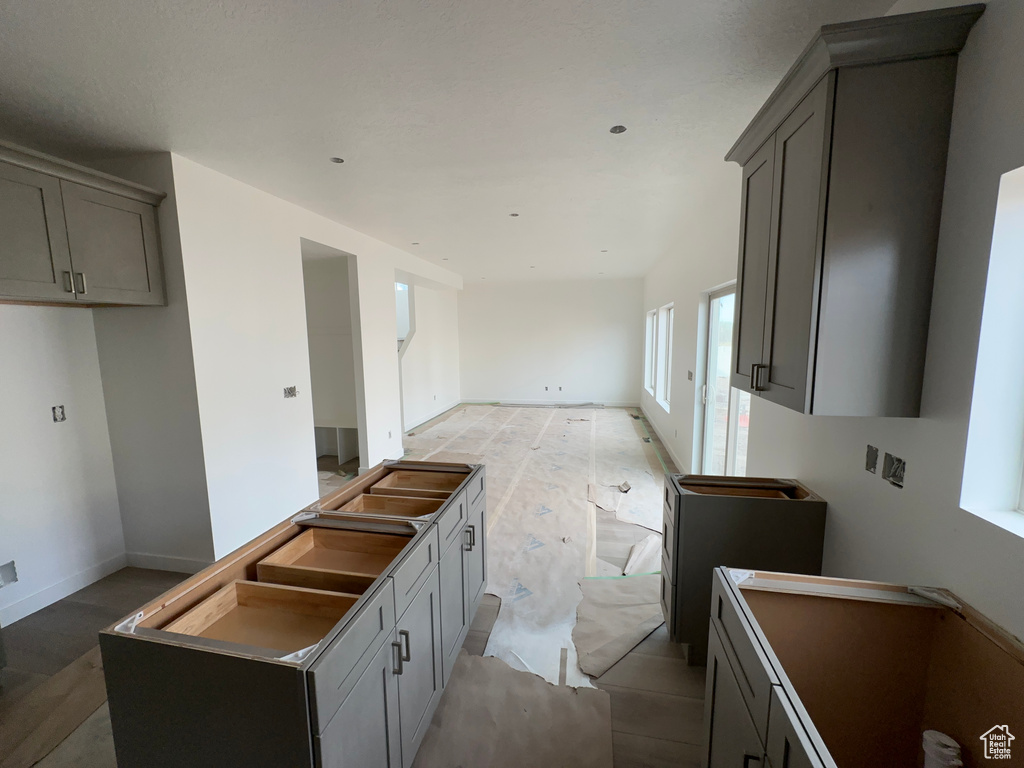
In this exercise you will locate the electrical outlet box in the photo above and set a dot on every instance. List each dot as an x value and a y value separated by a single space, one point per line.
545 389
871 460
8 574
559 389
893 469
291 391
689 375
58 414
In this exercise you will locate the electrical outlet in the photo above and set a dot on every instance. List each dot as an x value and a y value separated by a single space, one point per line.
893 469
8 574
871 460
545 389
291 391
559 389
58 414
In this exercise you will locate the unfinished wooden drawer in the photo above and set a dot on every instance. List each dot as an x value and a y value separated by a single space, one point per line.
269 616
414 482
393 506
339 667
343 561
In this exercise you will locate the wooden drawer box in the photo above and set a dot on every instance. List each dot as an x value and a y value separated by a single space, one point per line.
438 485
265 615
322 558
247 662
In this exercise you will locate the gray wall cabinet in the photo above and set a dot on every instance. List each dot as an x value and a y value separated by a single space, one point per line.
73 235
219 670
843 170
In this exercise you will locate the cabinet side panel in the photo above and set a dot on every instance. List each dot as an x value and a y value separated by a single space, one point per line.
175 707
890 139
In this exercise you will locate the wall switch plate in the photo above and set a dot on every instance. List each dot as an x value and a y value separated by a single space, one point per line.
8 574
58 414
291 391
893 469
871 460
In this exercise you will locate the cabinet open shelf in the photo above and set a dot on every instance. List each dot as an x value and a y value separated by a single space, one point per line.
342 561
271 616
411 482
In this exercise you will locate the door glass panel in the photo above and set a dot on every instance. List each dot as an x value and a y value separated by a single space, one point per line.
726 410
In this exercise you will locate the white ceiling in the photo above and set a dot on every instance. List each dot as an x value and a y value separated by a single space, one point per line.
450 114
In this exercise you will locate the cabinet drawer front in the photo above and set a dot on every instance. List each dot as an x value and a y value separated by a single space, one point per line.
788 743
452 521
753 671
414 569
477 490
668 545
333 675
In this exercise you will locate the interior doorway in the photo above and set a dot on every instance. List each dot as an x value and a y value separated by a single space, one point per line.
726 410
330 322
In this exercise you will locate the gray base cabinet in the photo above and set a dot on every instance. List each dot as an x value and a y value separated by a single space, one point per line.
841 198
323 642
76 236
745 522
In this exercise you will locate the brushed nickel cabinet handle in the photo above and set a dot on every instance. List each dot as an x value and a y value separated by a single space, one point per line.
84 289
396 646
69 282
407 656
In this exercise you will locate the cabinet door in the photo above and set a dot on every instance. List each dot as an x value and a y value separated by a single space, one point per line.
419 684
788 743
455 602
34 258
113 247
752 271
730 738
794 262
364 733
476 556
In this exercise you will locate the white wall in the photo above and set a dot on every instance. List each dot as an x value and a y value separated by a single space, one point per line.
920 534
430 356
704 258
585 336
59 516
329 326
149 387
243 273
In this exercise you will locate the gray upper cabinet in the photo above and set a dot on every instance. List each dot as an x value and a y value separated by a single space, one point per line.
836 263
73 235
34 259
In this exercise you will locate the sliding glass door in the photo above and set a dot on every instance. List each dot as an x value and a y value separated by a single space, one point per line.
726 410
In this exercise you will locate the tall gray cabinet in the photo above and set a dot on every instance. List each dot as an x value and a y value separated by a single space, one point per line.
72 235
843 171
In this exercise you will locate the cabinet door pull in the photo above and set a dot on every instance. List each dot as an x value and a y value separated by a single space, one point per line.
467 542
753 377
84 289
756 384
397 646
407 656
472 536
69 282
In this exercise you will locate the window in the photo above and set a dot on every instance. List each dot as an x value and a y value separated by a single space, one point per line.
663 390
726 411
658 355
649 352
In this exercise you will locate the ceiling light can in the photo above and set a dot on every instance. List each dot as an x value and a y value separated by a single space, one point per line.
618 129
338 160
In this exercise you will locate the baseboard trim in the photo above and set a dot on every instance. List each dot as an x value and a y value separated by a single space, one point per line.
433 415
166 563
605 404
675 459
51 594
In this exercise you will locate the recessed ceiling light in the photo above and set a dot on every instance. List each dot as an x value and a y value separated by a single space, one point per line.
532 267
604 251
513 215
337 160
618 129
445 259
600 273
415 243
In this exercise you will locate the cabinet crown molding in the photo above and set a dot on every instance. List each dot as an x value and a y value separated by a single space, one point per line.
857 43
79 174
